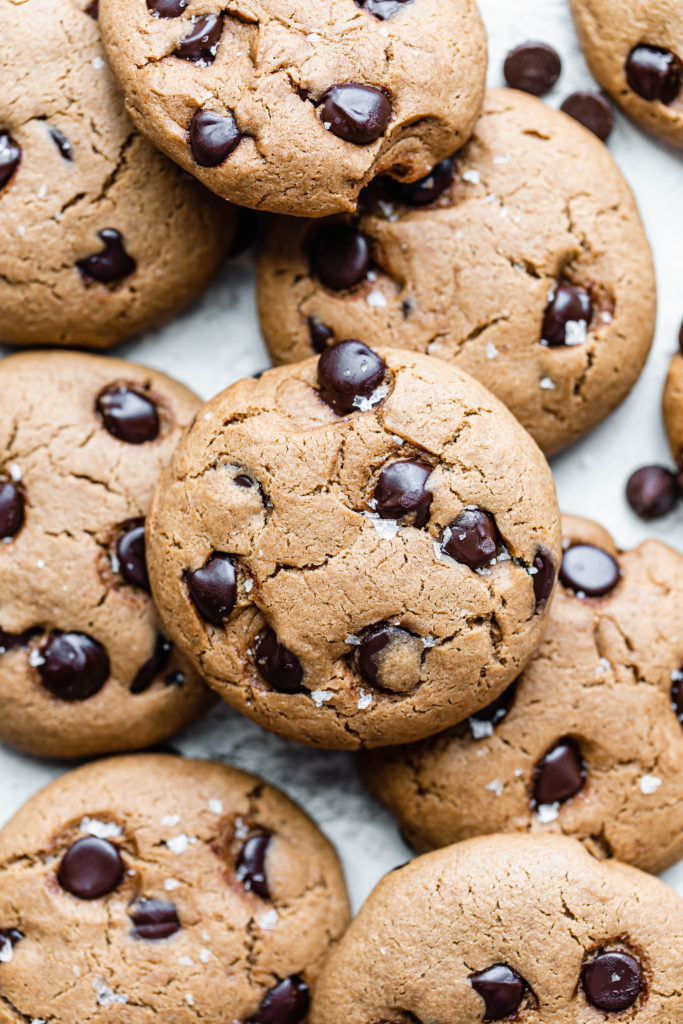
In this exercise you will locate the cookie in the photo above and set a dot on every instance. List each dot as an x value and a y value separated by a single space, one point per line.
588 741
153 888
294 108
635 51
356 548
522 260
509 928
103 237
673 407
85 667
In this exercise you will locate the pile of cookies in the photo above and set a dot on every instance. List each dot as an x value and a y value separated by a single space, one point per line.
358 549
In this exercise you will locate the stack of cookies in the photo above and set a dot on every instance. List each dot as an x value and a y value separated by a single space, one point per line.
360 549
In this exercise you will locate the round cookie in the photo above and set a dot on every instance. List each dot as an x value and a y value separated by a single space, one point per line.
509 928
673 407
588 741
84 665
153 888
103 237
356 548
634 49
294 108
523 261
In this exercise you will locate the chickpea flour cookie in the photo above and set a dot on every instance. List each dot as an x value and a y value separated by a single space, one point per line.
356 548
588 741
673 407
635 51
103 236
85 667
295 107
152 888
514 928
523 260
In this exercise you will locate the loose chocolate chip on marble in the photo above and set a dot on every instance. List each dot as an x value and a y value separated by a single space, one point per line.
13 641
62 144
654 73
10 157
589 570
11 508
501 988
402 491
320 334
280 668
128 414
154 919
390 658
593 110
201 43
532 67
251 864
154 665
652 492
677 696
544 578
568 315
340 256
383 9
213 137
483 722
167 8
213 588
130 552
93 9
286 1003
356 113
472 538
9 938
428 189
110 265
612 980
560 774
349 374
72 666
91 868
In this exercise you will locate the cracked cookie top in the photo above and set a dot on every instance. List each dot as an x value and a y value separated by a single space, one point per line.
509 928
588 741
103 237
152 887
522 260
294 108
357 548
85 667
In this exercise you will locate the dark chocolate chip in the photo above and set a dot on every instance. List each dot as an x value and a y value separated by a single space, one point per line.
12 641
110 265
154 919
593 110
568 308
502 990
278 666
154 665
320 334
167 8
201 43
483 722
91 868
472 538
213 137
62 144
128 414
428 189
383 9
251 864
390 658
652 492
544 578
93 9
654 73
560 774
9 937
402 491
244 481
348 373
356 113
589 570
130 552
72 666
677 695
612 980
10 157
340 256
287 1003
11 508
213 588
532 67
175 678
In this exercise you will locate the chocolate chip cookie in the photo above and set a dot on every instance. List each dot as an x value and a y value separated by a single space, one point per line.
634 49
356 548
673 406
102 236
295 107
153 888
85 666
509 928
522 260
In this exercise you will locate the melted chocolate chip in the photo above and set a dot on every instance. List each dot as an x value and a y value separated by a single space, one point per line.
544 578
93 9
9 936
533 68
130 552
612 980
167 8
12 641
356 113
110 265
213 588
128 414
654 73
652 492
383 9
560 774
390 658
213 137
472 538
154 919
251 864
201 43
501 988
483 722
402 491
62 144
349 372
588 570
320 334
91 868
593 110
568 316
11 508
72 666
10 157
154 665
677 696
278 666
340 256
287 1003
428 189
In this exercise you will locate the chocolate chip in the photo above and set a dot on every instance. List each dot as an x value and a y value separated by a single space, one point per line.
612 980
11 508
287 1003
428 189
154 665
568 315
501 988
154 919
213 137
349 373
356 113
560 774
128 414
402 491
279 667
483 722
251 864
72 666
588 570
91 868
532 67
320 334
201 44
383 9
472 538
593 110
12 641
654 73
62 144
652 492
390 658
677 696
130 552
110 265
213 588
9 937
340 256
244 481
175 678
93 9
10 157
167 8
544 578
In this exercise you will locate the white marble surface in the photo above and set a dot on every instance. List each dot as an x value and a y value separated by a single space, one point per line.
218 341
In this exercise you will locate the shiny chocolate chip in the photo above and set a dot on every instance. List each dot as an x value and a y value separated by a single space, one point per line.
502 990
128 414
251 864
340 256
213 137
654 73
154 919
593 110
130 553
677 695
568 315
544 578
111 264
356 113
167 8
401 491
213 588
320 334
560 774
72 666
472 538
93 9
390 658
286 1003
154 666
280 668
91 868
589 571
612 980
62 143
349 373
9 938
428 189
12 508
201 43
532 67
10 157
483 722
383 9
652 492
